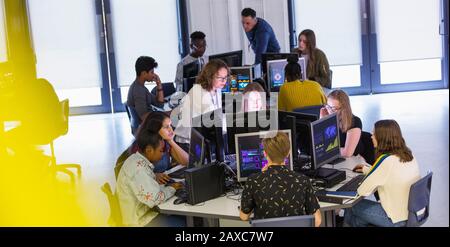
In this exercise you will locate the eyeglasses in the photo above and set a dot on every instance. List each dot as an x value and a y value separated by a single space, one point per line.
222 78
332 108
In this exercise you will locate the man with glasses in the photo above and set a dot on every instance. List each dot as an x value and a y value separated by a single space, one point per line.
259 33
198 48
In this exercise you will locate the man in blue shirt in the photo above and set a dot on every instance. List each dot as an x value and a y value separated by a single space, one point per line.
259 33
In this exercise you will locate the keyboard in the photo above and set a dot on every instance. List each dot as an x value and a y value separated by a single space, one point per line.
353 184
176 172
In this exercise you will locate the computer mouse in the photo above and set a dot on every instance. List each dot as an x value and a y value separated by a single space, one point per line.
355 169
179 200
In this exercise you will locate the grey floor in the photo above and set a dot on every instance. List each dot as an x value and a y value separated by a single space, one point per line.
95 141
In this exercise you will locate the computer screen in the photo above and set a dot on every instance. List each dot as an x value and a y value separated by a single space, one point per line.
191 69
274 56
248 122
232 59
196 149
325 140
210 126
250 156
275 72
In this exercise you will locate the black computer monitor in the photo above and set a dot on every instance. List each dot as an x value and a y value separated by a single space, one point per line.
210 126
232 59
325 140
250 156
275 72
274 56
191 69
247 122
302 135
196 149
188 83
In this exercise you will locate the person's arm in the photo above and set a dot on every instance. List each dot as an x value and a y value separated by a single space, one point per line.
353 136
247 201
323 70
178 153
148 191
262 41
317 218
159 91
376 179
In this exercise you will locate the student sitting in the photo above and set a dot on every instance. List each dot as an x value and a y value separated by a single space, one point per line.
350 126
159 122
392 175
254 98
139 96
205 96
278 191
295 92
137 189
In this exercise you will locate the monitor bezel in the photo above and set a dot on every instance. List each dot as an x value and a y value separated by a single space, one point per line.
260 134
237 52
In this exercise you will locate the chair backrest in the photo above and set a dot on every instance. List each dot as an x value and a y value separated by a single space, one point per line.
314 109
119 163
115 218
133 116
290 221
64 124
369 150
419 201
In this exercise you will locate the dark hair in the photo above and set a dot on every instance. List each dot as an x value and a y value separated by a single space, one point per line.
153 122
145 64
390 140
148 138
248 12
293 71
206 77
197 35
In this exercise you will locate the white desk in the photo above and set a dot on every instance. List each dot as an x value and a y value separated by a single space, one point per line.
226 208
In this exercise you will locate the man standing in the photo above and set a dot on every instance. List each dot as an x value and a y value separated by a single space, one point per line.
259 33
198 48
139 96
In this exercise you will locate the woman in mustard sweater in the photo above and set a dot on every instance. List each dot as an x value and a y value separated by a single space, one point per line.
295 92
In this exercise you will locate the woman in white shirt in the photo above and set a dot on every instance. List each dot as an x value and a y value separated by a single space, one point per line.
392 175
205 96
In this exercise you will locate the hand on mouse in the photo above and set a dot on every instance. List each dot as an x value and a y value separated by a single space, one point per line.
177 186
162 178
358 168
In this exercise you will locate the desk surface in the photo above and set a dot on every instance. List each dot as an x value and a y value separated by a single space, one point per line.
226 208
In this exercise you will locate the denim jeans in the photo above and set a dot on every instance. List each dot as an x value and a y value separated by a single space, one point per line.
366 213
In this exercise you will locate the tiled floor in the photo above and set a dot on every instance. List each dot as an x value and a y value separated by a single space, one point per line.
95 141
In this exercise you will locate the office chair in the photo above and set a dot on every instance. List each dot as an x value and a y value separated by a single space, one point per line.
419 201
314 109
62 129
134 118
119 163
115 217
369 150
290 221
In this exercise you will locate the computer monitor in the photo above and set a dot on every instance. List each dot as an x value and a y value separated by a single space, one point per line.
191 69
196 149
212 131
275 72
250 157
302 135
247 122
232 59
325 140
274 56
240 77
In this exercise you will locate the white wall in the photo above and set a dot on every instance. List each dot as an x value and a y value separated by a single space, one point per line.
220 20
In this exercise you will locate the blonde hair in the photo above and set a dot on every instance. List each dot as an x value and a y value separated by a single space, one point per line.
345 114
206 77
277 147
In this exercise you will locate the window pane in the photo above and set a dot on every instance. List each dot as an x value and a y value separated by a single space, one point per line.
145 28
411 71
65 42
90 96
343 49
